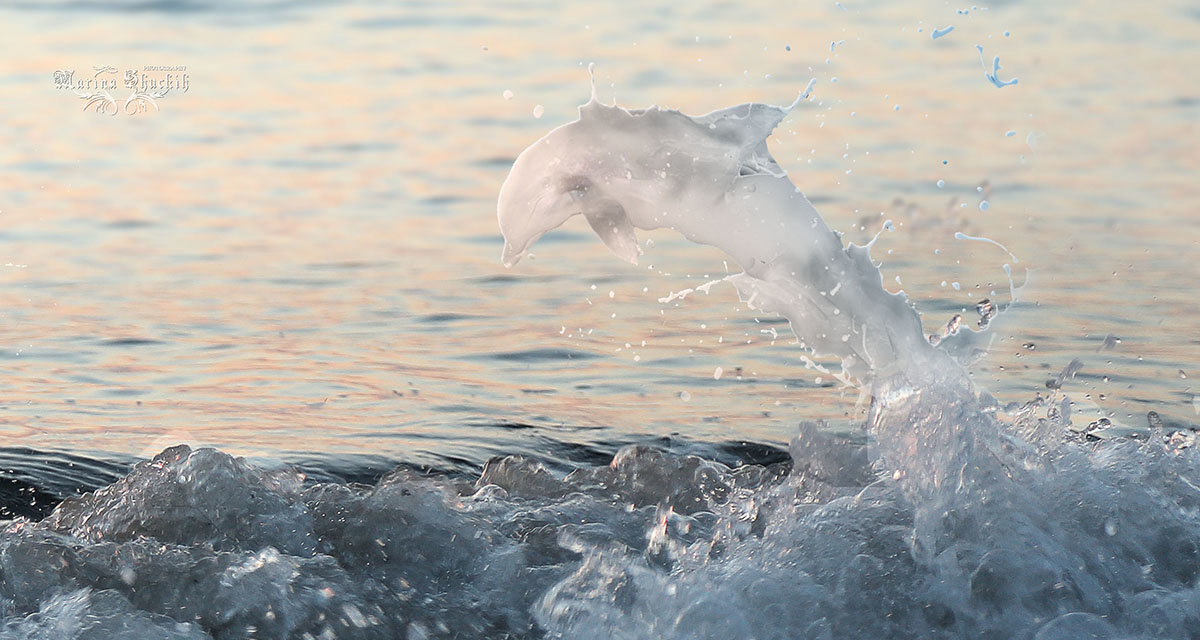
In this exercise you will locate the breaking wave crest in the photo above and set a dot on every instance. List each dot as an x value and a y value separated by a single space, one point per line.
1077 540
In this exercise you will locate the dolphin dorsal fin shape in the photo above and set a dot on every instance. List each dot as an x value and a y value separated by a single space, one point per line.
745 125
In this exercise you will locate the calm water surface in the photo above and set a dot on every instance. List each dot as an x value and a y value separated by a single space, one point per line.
297 259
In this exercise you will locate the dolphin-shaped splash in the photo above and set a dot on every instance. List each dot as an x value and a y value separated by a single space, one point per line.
1001 536
712 178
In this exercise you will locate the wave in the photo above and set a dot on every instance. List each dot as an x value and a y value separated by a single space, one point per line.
1096 538
951 517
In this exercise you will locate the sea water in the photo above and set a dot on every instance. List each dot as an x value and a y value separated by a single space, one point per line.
943 506
950 521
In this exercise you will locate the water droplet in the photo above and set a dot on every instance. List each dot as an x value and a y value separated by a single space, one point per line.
717 373
685 396
1110 527
983 205
507 94
538 111
941 183
896 108
1009 133
937 33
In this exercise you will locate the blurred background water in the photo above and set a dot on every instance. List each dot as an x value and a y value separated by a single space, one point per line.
297 258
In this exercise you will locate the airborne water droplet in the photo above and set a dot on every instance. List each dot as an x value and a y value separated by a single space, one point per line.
538 111
937 33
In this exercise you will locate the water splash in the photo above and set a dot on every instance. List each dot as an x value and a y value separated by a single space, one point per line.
993 76
993 529
804 94
937 33
951 516
958 235
712 179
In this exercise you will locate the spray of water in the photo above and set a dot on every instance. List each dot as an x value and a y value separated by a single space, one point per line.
998 532
951 522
